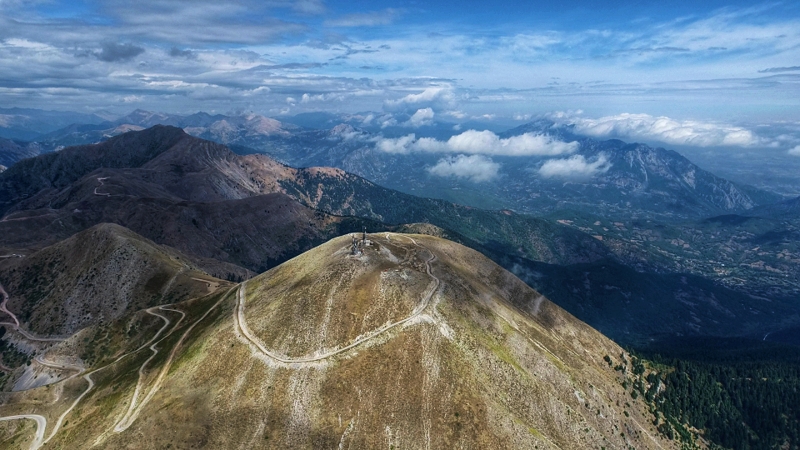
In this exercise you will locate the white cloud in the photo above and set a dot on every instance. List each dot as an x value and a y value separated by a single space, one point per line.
387 120
440 97
482 142
670 64
131 99
398 145
473 167
457 114
420 118
574 167
663 129
327 97
795 151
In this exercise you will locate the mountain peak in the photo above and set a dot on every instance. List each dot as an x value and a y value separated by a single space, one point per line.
460 337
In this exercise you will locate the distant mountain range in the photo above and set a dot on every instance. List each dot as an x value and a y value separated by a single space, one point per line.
236 215
638 181
30 124
634 180
11 151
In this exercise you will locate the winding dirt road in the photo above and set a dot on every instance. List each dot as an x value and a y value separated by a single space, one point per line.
131 415
41 423
244 330
133 411
127 419
136 406
102 182
15 325
59 366
60 420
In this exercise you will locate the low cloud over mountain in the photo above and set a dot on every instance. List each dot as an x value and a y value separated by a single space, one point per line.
574 167
480 142
474 168
663 129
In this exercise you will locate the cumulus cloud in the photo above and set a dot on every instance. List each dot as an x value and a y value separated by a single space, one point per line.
574 167
663 129
439 97
387 120
306 98
795 151
420 118
481 142
457 114
113 52
475 168
398 145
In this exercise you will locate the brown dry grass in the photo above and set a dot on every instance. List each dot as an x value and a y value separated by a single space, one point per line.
489 364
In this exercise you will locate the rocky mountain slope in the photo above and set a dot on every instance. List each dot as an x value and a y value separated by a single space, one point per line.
80 301
54 171
70 285
416 342
787 209
11 152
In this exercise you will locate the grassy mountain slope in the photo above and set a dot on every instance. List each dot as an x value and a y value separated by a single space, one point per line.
475 358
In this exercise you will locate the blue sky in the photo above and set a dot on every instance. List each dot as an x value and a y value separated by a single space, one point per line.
712 65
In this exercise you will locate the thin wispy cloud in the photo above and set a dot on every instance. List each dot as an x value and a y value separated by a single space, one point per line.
780 69
369 19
